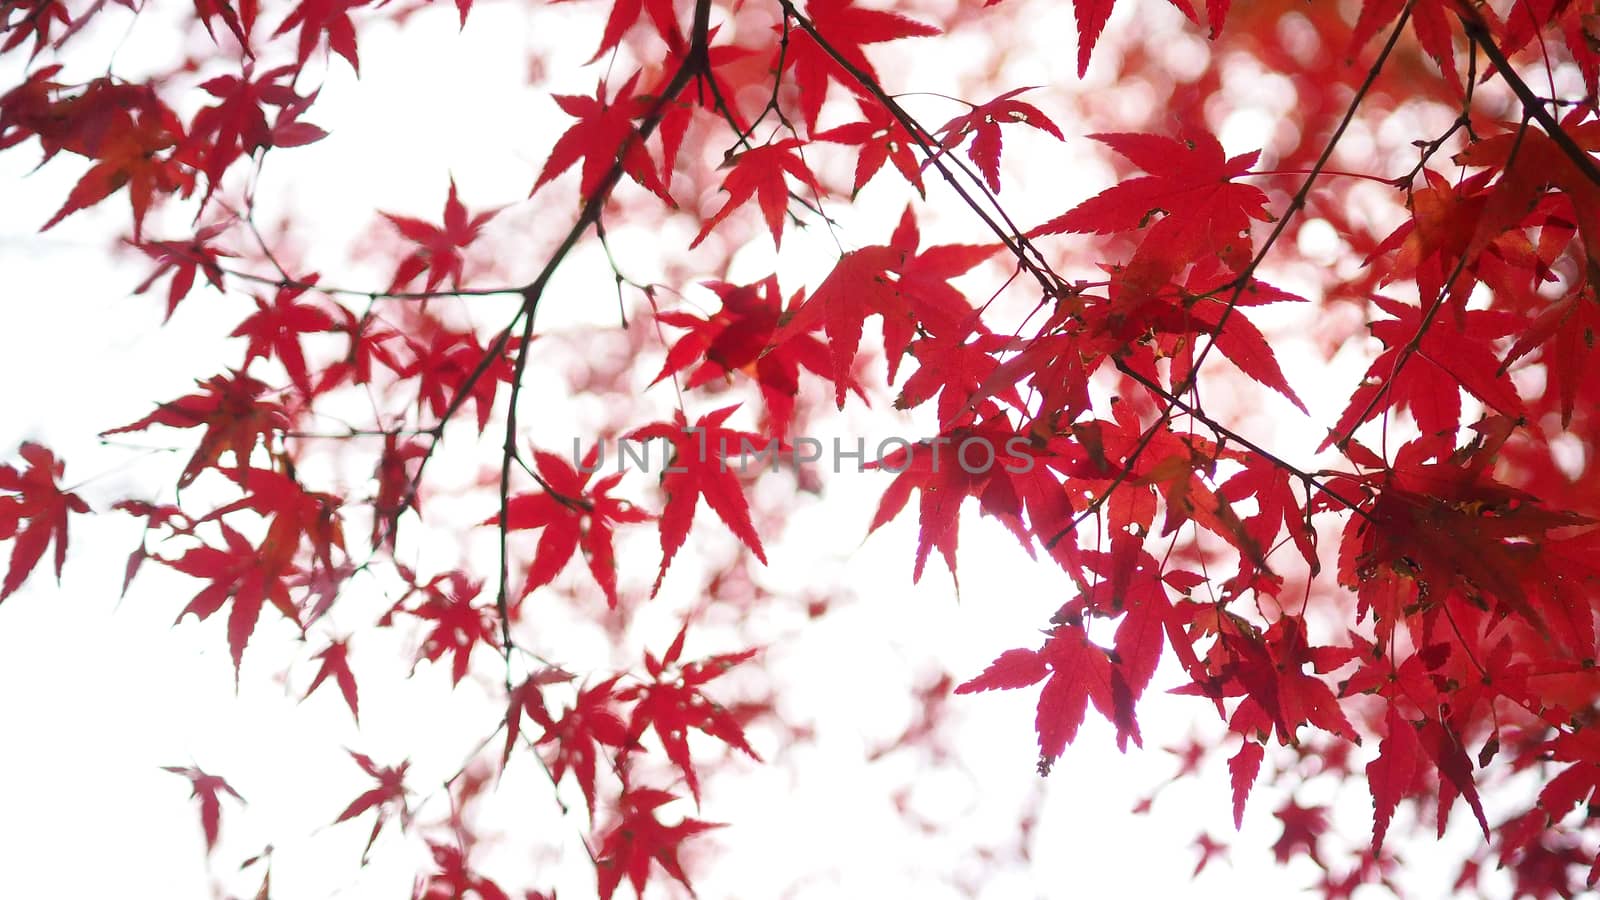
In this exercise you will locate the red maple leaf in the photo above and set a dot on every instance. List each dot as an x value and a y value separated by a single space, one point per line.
910 290
935 306
882 139
983 123
372 340
955 369
32 109
235 417
1489 541
573 514
183 259
625 14
34 512
237 126
297 515
1186 317
1131 585
208 789
454 880
1279 696
1276 508
1430 21
274 330
1303 826
1203 213
1243 767
698 467
127 130
1160 463
848 29
583 729
759 172
1395 774
336 664
1079 672
528 697
438 249
739 339
237 573
1443 747
603 133
446 361
975 461
1573 20
1565 333
390 792
1447 227
639 838
1530 164
155 515
317 18
35 18
1448 357
1092 16
240 22
673 705
459 626
396 475
1209 850
1579 783
859 286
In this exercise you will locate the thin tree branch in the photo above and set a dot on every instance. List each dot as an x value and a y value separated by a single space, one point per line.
1009 234
1237 286
1478 33
694 63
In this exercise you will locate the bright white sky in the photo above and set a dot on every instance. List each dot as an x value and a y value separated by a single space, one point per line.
97 695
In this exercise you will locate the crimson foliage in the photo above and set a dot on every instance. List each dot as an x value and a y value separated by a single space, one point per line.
1408 607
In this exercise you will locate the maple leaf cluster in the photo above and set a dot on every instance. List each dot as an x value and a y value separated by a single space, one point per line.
1406 601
